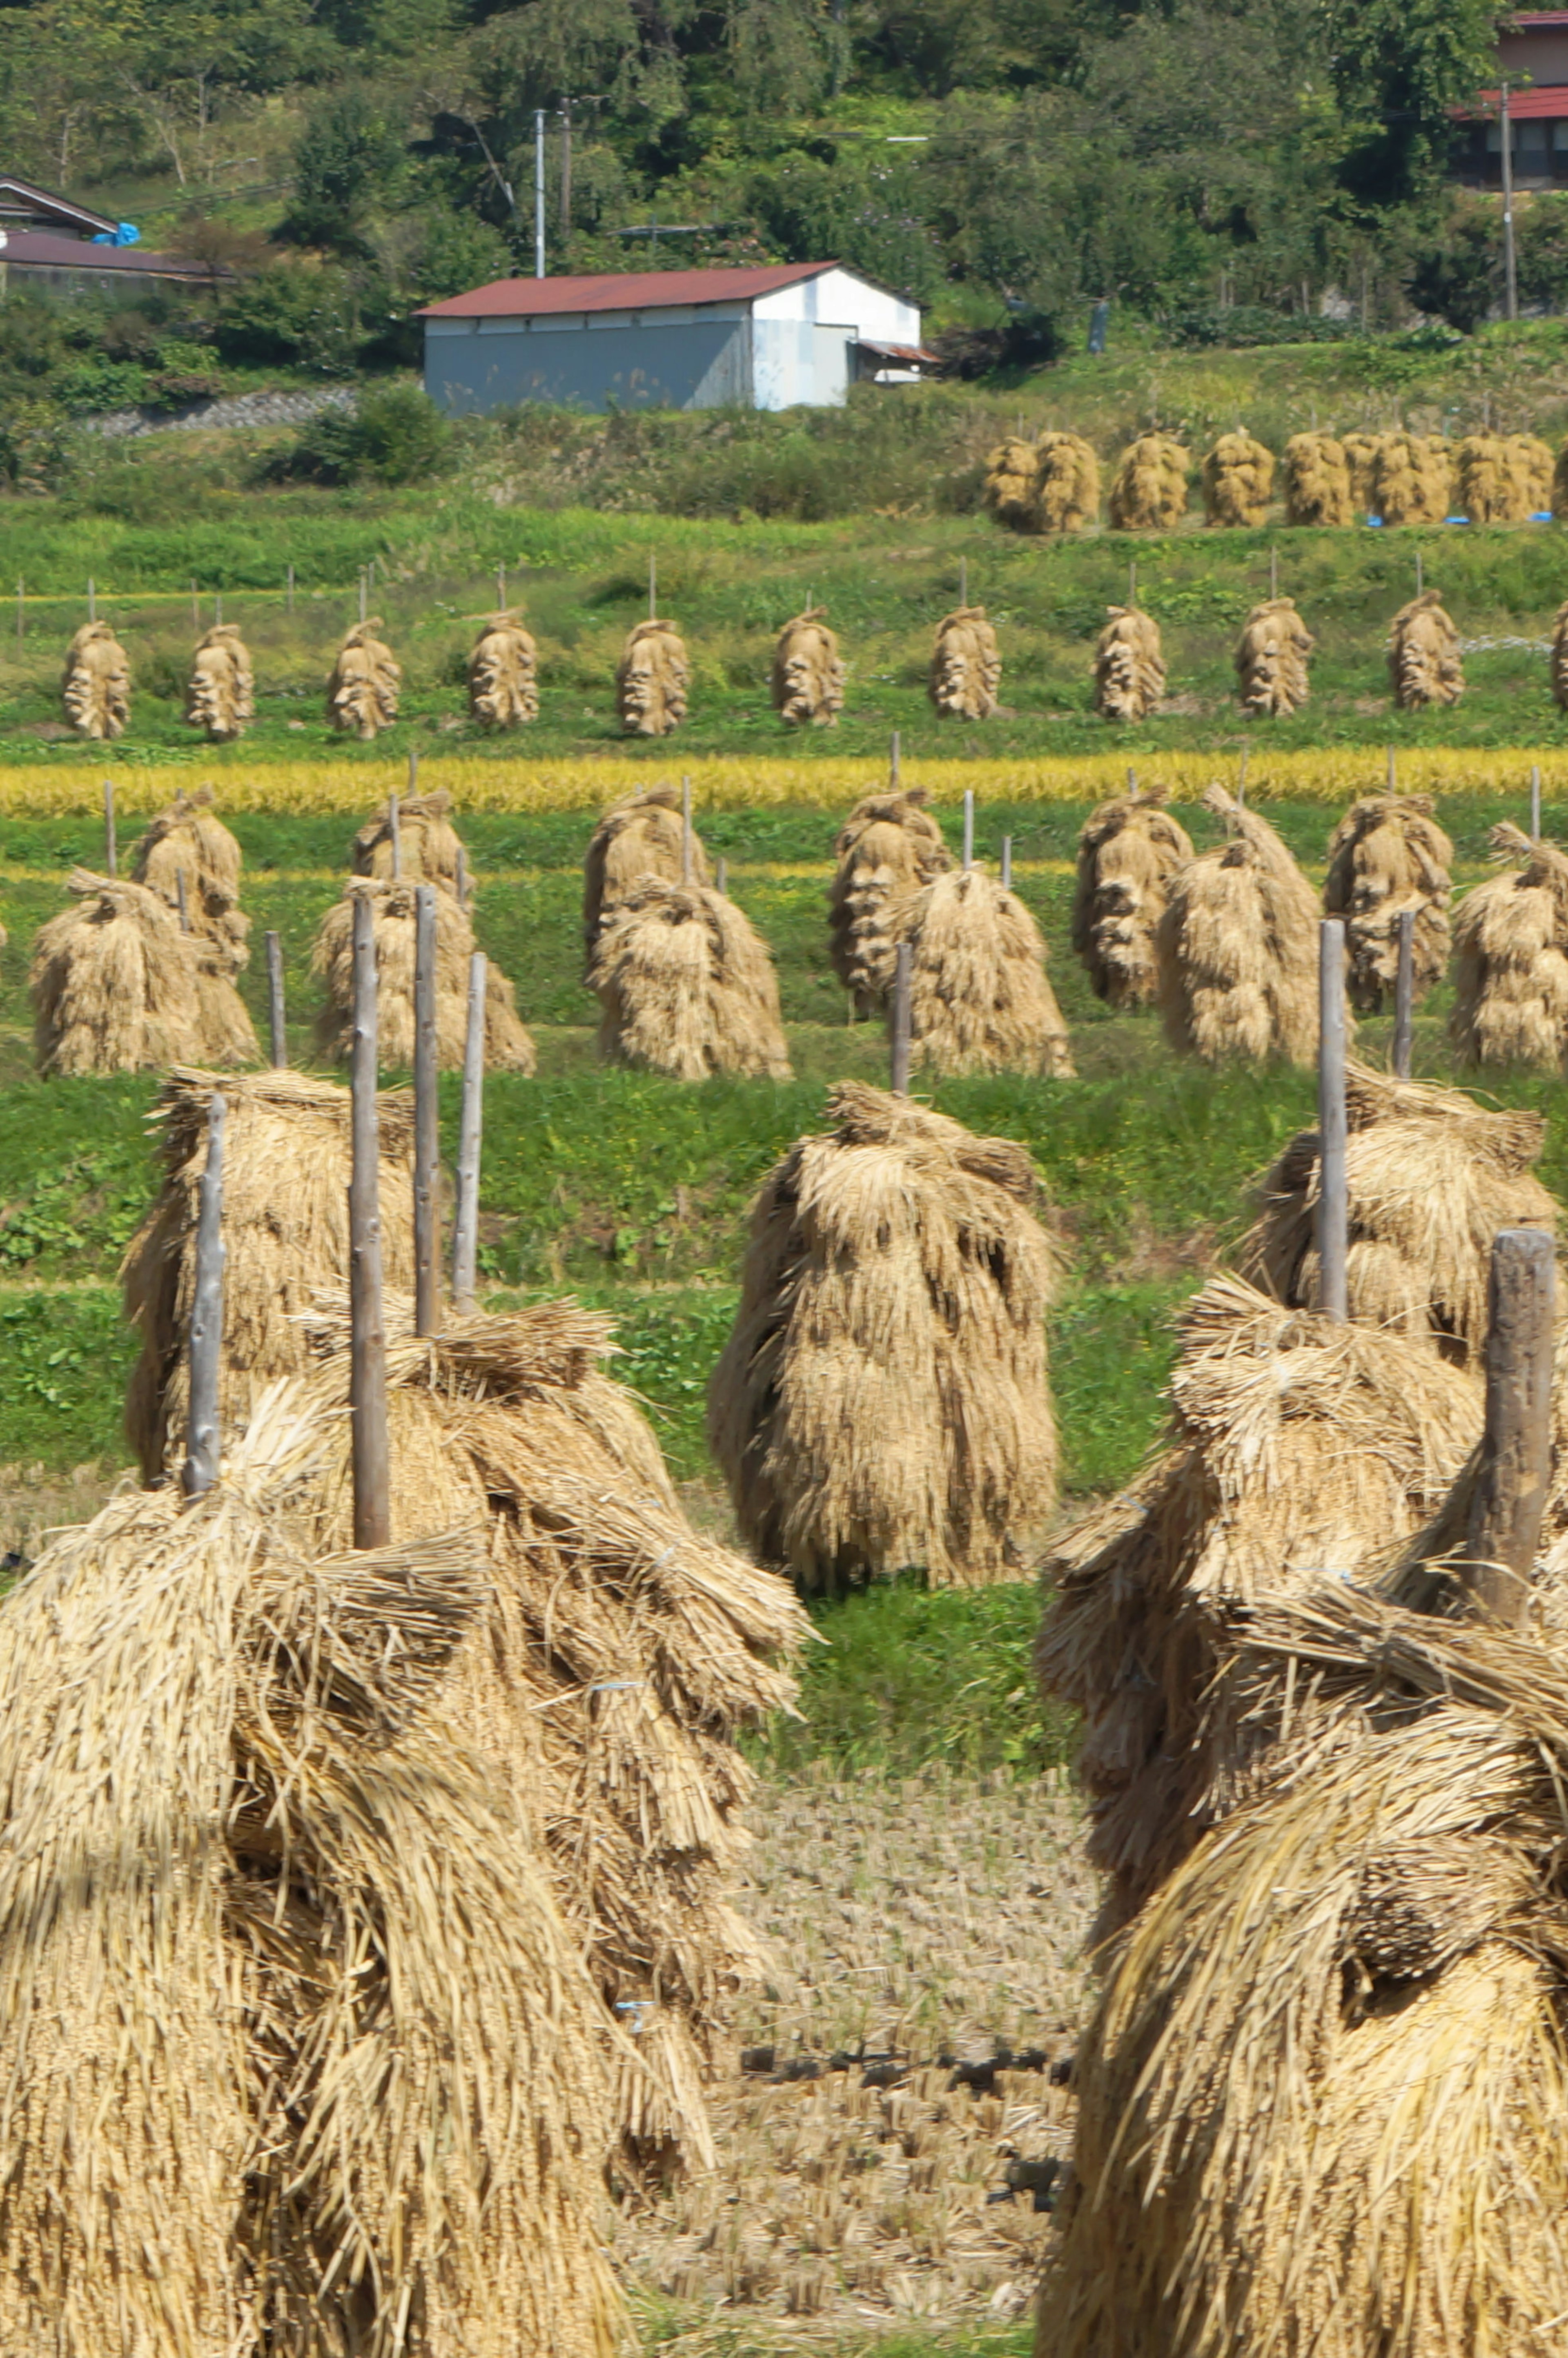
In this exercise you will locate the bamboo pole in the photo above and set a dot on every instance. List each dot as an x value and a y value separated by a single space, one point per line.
471 1136
1332 1209
1514 1469
111 849
968 828
901 1038
367 1362
1404 996
364 596
21 611
427 1121
278 1038
202 1443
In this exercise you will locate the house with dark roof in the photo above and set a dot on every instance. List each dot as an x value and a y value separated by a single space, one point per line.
51 245
764 337
1532 60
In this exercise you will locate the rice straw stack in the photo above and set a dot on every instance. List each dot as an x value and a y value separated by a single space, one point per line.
638 842
1238 479
808 672
652 679
965 666
1510 981
980 1001
428 849
362 694
95 692
504 690
686 987
1237 947
113 982
394 909
1129 850
1318 485
221 699
1271 658
1387 855
1150 491
1130 665
888 848
1424 664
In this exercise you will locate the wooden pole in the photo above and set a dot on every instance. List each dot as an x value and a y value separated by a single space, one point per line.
365 598
1515 1465
111 851
968 828
201 1468
1404 996
893 765
653 588
179 896
427 1121
289 607
195 606
1535 801
278 1039
470 1134
1133 583
1418 573
1241 781
901 1041
1393 780
395 832
92 601
367 1362
462 878
1273 575
963 580
21 611
412 770
1007 863
685 858
501 588
218 606
1332 1210
721 878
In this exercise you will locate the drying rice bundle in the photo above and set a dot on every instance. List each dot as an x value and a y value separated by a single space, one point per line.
1320 2103
430 849
286 1238
1011 482
1361 459
1130 665
889 847
652 679
1412 478
362 695
394 908
221 699
637 842
1559 484
686 987
1149 493
1532 457
96 689
884 1400
1237 947
1510 981
1559 658
1319 489
1495 484
1271 658
112 982
503 688
966 664
1129 850
1297 1445
1238 478
188 839
1388 855
298 2052
1431 1178
1067 483
979 998
1423 654
624 1656
808 671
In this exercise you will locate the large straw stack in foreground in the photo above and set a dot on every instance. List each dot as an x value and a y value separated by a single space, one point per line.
1412 478
220 698
1296 1443
965 666
282 1965
1387 856
1129 850
1498 477
1149 493
286 1238
1424 664
1271 658
889 847
1318 486
808 672
429 848
1238 479
622 1656
113 982
883 1401
504 691
639 841
1510 980
686 987
979 998
1237 947
394 912
187 839
652 679
1430 1176
1129 666
96 689
362 695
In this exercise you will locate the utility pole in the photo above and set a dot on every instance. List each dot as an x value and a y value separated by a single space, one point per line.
539 192
567 180
1510 271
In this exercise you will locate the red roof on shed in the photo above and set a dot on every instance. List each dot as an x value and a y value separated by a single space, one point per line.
621 290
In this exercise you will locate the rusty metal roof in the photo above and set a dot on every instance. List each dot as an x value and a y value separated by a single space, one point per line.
622 291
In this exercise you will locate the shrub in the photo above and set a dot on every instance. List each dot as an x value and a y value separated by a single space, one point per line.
291 313
395 435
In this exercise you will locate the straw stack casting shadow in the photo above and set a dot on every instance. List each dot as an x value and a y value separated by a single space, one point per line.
980 1001
1129 850
1130 665
965 666
188 841
96 689
808 683
1424 664
113 982
504 690
1272 657
687 986
220 698
652 679
639 840
362 694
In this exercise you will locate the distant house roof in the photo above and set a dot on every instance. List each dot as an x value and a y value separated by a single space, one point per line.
622 291
28 249
20 202
1524 106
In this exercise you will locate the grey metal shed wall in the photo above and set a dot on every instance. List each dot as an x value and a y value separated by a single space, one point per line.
697 366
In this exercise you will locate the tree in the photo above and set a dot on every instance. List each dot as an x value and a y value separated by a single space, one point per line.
350 160
1401 67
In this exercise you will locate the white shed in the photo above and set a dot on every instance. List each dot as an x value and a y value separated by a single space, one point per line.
766 337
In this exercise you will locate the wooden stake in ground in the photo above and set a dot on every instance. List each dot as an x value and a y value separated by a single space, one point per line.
721 878
1240 783
111 851
201 1468
462 877
427 1121
1404 996
892 764
195 606
364 596
395 833
899 1077
471 1137
1535 801
92 601
412 771
1394 785
277 1038
21 611
367 1378
181 902
968 828
1515 1465
1007 863
685 830
1333 1215
289 594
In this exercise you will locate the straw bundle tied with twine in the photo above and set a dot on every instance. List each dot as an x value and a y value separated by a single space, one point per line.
187 841
888 848
965 666
1150 491
412 838
1237 947
687 986
807 682
1431 1178
1271 658
1510 980
220 698
652 679
362 694
978 998
1424 664
1130 665
280 1963
1238 478
884 1400
96 689
1128 853
1503 478
1318 486
394 912
641 839
1560 657
113 982
1412 478
502 687
1388 855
